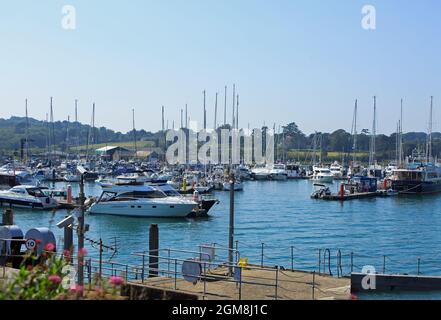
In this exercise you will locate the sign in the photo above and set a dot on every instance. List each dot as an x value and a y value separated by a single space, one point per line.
30 244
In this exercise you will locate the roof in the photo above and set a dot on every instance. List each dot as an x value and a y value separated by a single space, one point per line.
110 148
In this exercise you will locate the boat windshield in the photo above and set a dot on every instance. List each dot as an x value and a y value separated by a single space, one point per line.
143 194
35 192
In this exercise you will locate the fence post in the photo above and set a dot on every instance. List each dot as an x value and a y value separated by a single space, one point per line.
384 264
261 258
143 266
153 250
176 273
277 279
313 285
352 262
319 260
292 258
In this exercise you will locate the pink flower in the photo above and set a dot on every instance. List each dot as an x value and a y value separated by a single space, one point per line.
49 247
82 252
66 254
76 288
353 297
54 279
116 281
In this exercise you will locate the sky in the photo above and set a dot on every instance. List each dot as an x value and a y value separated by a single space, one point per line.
291 60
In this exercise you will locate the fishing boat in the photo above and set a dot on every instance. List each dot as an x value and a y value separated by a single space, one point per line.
141 201
25 196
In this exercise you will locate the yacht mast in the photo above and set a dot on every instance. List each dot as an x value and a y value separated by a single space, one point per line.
215 113
225 107
429 138
373 136
134 132
233 124
27 130
400 137
205 113
354 134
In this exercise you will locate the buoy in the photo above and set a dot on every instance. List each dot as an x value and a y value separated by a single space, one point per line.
69 194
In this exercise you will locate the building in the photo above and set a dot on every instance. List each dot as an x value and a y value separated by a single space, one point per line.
114 153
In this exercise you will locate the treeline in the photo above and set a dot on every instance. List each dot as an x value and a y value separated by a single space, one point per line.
64 135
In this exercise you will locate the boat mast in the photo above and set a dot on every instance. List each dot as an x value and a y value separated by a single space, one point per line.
53 131
373 136
354 134
186 117
134 132
182 118
205 113
429 138
215 113
237 112
27 131
225 107
234 102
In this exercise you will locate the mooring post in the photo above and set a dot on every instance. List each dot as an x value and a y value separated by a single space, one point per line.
8 217
418 269
352 262
153 250
68 240
231 227
292 258
319 260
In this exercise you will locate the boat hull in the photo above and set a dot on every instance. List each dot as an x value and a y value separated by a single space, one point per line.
143 209
416 187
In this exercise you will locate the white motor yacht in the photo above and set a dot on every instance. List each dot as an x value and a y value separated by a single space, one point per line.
141 201
323 175
336 170
278 172
24 196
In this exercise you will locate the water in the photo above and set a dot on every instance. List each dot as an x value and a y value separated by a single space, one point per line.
396 231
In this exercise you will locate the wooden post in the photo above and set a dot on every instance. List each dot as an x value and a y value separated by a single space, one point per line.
8 217
153 250
68 239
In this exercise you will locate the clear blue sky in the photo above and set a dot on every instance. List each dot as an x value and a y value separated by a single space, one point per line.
303 61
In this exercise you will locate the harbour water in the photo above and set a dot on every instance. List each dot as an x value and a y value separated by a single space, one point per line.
400 234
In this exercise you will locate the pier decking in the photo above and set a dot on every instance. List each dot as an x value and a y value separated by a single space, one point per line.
257 284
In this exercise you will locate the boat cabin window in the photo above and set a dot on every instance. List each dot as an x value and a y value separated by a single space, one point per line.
143 194
35 192
409 175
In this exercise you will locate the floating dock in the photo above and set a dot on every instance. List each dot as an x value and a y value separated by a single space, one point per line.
354 196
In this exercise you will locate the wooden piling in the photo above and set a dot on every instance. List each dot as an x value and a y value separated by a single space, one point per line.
8 217
153 250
